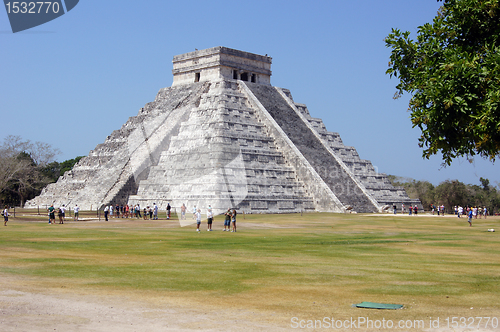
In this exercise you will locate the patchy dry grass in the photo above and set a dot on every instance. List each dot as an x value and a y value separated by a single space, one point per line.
310 266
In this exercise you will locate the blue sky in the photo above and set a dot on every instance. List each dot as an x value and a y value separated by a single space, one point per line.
72 81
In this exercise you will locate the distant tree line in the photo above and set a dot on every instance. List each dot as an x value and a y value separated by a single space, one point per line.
26 168
450 193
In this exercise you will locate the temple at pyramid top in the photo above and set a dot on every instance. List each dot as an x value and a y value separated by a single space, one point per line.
221 63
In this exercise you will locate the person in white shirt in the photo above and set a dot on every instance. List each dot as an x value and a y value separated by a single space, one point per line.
5 215
76 210
155 211
198 219
63 210
106 211
210 218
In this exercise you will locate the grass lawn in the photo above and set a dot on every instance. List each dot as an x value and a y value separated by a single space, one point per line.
311 266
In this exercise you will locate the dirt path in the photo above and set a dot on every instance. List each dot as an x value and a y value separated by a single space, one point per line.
23 308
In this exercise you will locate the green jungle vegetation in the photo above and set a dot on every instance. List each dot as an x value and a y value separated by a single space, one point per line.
451 193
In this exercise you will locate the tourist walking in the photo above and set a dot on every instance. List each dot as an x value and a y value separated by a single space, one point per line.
198 219
227 220
233 220
183 211
5 214
52 214
155 211
60 215
76 211
210 218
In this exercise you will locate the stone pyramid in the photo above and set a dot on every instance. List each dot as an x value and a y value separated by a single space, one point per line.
222 135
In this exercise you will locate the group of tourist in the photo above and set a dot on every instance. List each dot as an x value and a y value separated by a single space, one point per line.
412 210
61 213
462 211
130 211
148 213
439 209
474 211
229 218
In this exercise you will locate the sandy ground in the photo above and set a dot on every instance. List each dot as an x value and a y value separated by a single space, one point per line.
53 310
23 308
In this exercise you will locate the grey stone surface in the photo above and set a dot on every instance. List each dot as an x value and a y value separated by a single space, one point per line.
377 184
222 156
324 163
111 172
212 139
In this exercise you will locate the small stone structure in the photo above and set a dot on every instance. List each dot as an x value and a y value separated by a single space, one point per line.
222 135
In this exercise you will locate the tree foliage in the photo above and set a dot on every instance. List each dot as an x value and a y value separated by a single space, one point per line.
423 190
452 71
19 168
451 193
26 168
67 165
